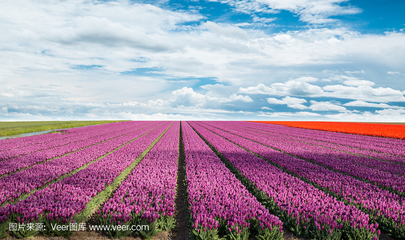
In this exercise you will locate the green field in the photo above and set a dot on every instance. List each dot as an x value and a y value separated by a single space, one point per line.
14 128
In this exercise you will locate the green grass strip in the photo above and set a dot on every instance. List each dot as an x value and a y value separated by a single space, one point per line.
14 128
26 195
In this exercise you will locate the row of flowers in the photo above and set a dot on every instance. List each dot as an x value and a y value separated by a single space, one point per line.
352 138
12 143
304 209
381 148
59 140
330 149
383 206
27 180
328 158
61 201
147 196
219 204
77 143
369 129
29 141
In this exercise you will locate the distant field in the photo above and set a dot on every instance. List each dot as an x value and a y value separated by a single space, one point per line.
389 130
14 128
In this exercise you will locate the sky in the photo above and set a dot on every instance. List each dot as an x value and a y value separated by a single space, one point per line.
329 60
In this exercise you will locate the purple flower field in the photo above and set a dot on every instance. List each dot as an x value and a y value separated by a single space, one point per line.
243 180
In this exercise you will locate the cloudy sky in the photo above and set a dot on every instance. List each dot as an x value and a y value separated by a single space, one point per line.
335 60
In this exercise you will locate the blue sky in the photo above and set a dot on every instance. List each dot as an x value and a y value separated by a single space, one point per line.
331 60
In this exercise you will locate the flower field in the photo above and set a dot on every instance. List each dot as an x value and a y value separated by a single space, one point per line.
370 129
243 180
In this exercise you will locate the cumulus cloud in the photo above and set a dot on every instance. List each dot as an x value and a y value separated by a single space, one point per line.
326 106
355 72
291 102
242 98
369 104
288 114
266 108
385 115
292 87
365 93
356 89
350 80
159 109
358 83
187 97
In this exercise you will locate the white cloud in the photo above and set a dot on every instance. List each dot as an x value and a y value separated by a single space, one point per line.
226 31
289 114
159 109
365 93
358 83
357 90
355 72
386 115
4 110
8 95
138 116
368 104
246 6
306 79
292 87
263 20
326 106
291 102
393 73
350 80
266 108
242 98
219 89
275 101
187 97
90 29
